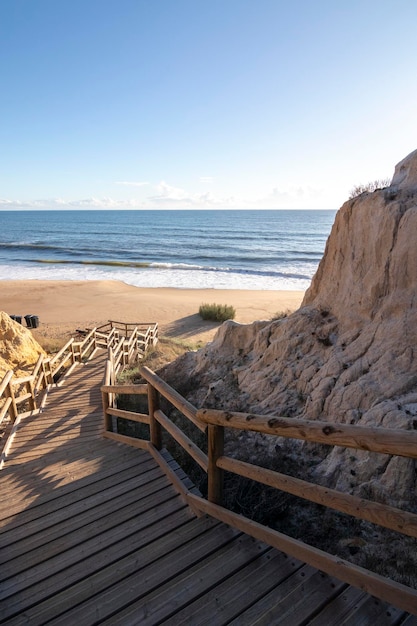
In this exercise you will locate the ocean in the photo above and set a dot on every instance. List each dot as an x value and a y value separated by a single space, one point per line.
227 249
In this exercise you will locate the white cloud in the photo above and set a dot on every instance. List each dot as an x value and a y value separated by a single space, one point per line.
290 198
60 203
167 195
128 183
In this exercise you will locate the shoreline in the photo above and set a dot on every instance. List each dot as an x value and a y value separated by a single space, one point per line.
66 305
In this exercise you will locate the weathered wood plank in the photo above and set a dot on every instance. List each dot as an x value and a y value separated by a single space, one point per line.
235 594
155 581
343 608
295 601
73 565
196 579
178 529
59 521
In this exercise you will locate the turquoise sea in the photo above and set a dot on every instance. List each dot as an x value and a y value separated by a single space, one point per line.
185 249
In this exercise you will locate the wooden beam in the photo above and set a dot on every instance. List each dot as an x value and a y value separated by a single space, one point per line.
173 396
384 515
130 390
154 426
395 593
184 441
143 444
142 418
383 440
215 437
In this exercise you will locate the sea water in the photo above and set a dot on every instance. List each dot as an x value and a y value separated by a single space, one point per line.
228 249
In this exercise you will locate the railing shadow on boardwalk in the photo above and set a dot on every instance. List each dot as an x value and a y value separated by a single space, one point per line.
95 532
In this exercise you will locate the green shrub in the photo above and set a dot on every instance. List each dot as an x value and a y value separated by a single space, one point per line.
217 312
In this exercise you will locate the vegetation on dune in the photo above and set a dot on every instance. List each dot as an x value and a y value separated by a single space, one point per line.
217 312
369 187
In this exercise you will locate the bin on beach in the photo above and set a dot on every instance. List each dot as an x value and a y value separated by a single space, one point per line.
29 321
35 321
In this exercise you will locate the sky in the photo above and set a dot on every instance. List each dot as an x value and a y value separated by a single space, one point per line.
160 104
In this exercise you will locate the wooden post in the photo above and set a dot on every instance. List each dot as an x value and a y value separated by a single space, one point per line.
44 379
154 425
13 405
105 397
215 436
32 399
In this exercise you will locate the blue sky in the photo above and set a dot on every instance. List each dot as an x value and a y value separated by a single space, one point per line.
203 103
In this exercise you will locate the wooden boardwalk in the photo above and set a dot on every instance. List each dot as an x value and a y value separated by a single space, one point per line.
93 532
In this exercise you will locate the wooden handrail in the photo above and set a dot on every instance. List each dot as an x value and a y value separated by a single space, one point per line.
392 592
46 368
173 396
385 441
373 439
6 379
381 514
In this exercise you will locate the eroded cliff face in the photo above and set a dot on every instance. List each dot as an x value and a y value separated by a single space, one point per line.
18 349
348 355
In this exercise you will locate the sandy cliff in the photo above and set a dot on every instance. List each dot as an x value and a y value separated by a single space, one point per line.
18 349
347 355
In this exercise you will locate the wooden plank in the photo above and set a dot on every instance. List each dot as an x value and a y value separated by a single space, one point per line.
383 440
76 537
193 578
36 505
382 514
301 603
341 608
235 594
45 507
75 563
153 583
175 531
394 593
373 611
292 602
78 513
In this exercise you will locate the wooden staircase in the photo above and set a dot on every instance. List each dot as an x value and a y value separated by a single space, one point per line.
92 531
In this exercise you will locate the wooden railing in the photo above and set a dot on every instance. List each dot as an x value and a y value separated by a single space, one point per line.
213 424
22 395
124 349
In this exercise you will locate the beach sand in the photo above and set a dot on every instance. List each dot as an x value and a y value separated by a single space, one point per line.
64 306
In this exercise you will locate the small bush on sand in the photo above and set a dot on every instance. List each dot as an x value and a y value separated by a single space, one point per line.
280 315
217 312
370 187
